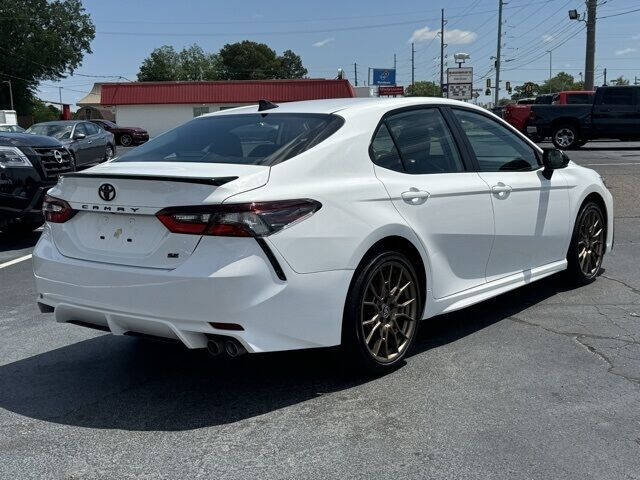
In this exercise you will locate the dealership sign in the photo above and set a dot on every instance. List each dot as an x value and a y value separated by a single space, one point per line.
384 76
382 91
460 83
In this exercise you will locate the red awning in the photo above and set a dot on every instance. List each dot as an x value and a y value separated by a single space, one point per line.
242 91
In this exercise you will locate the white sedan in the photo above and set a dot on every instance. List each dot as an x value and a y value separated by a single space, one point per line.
315 224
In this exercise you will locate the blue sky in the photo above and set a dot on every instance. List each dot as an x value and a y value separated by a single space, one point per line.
332 34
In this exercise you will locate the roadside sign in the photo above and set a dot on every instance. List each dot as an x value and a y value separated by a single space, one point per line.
384 76
460 83
460 91
460 75
383 91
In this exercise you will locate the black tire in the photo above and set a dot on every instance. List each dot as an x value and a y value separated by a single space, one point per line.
126 140
395 328
587 247
565 137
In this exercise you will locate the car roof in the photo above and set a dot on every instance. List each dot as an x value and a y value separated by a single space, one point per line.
60 122
334 105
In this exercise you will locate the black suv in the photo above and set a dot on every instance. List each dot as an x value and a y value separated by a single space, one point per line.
29 166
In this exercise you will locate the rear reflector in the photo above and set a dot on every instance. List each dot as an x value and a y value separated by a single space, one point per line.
256 219
56 210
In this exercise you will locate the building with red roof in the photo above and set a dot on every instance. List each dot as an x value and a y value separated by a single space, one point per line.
159 106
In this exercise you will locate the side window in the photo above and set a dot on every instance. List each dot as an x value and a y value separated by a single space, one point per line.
496 147
425 142
91 128
384 152
578 98
617 96
80 129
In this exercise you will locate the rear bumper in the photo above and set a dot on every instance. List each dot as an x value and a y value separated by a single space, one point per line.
305 311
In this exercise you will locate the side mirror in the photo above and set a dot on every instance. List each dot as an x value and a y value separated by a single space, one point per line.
552 159
79 136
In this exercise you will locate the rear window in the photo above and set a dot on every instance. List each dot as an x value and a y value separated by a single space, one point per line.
250 139
579 98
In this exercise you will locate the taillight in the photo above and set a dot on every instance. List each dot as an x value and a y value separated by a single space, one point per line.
56 210
257 219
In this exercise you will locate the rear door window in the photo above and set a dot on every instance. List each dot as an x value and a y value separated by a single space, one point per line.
617 96
250 139
91 128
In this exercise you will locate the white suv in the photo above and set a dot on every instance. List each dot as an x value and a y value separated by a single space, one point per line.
314 224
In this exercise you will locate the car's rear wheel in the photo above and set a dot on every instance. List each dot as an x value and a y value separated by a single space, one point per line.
382 312
126 140
565 137
587 244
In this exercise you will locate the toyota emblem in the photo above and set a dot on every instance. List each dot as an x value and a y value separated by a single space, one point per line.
107 192
57 155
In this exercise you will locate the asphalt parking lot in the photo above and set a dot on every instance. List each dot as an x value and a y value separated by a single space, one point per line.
539 383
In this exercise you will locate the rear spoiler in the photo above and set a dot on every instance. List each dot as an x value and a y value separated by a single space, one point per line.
215 181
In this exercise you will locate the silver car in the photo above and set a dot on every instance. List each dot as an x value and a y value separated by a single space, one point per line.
88 143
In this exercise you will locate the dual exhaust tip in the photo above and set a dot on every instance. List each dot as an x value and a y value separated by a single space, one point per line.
229 346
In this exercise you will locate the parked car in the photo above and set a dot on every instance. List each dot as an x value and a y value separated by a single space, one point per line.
125 136
88 143
613 114
29 166
11 128
518 115
358 219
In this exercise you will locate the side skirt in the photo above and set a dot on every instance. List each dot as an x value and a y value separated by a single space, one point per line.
489 290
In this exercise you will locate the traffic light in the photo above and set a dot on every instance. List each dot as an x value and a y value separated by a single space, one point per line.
487 91
528 88
488 83
508 86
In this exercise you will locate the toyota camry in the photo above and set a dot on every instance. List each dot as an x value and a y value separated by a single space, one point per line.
316 224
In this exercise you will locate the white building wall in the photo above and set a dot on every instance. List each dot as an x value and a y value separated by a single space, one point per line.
157 119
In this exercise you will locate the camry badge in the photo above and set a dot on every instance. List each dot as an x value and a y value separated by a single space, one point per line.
107 192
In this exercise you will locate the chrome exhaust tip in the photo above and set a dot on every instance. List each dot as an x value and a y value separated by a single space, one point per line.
215 347
234 348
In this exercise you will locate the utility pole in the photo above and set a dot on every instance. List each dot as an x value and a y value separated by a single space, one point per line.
498 53
60 92
369 77
413 67
605 77
8 82
355 73
442 23
550 74
394 61
590 58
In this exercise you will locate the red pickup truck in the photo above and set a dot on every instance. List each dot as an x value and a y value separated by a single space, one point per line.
517 114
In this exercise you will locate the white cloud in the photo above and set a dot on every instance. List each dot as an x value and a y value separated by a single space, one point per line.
624 51
324 42
636 37
451 37
547 38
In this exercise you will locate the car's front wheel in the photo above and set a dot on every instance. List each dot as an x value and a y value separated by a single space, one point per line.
587 244
126 140
382 311
565 137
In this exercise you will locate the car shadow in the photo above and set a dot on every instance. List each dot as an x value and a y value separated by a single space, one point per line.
12 241
623 148
125 383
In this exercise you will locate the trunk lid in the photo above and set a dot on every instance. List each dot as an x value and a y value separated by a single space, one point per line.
120 226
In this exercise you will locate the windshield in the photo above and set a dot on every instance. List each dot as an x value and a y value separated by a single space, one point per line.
59 131
251 139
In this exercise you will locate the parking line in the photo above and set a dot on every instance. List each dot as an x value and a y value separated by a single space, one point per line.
14 261
612 164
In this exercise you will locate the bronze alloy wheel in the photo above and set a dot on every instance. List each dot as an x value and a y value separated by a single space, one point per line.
591 242
389 311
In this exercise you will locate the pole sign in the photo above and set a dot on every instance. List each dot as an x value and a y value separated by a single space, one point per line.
382 91
384 76
460 83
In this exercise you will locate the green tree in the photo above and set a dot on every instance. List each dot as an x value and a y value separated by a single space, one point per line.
248 60
562 81
40 40
163 64
620 81
519 91
423 89
195 64
44 113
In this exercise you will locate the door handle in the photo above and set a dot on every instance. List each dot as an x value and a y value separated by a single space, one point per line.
90 141
415 196
501 190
